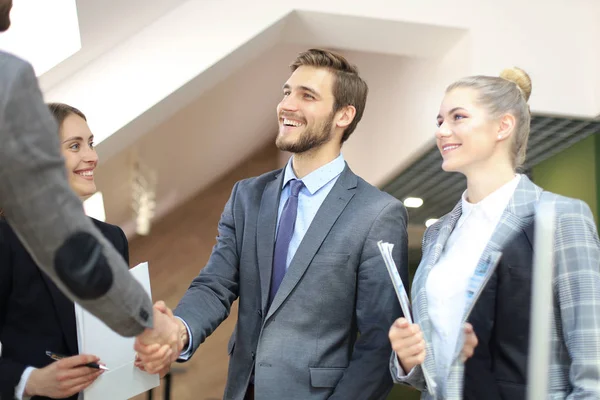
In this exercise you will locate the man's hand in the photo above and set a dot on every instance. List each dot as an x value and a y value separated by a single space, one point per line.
157 348
408 343
470 343
161 373
62 378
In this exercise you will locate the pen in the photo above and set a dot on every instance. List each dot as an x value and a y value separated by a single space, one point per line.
56 357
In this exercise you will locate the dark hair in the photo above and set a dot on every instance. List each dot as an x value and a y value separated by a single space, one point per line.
349 89
60 111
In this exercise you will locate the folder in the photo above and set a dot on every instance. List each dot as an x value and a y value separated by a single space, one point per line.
385 249
123 380
386 252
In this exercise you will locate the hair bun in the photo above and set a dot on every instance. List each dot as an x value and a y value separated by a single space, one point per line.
520 78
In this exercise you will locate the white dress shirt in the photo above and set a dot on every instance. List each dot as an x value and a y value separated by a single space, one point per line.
448 280
20 389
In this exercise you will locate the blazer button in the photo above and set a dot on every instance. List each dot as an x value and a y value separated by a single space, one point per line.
259 313
253 355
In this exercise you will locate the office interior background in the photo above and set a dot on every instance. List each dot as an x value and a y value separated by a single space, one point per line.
181 96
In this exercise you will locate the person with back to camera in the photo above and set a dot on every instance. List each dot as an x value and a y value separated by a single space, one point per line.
35 316
483 127
43 211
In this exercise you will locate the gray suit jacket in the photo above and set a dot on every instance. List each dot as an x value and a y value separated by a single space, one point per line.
501 310
337 287
43 211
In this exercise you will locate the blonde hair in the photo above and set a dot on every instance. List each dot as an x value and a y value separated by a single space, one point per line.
507 93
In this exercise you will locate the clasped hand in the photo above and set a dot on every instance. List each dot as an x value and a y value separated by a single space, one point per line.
160 346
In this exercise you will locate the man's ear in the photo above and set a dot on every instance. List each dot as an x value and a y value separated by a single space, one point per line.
345 116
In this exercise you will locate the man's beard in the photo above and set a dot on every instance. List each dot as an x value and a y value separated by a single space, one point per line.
311 138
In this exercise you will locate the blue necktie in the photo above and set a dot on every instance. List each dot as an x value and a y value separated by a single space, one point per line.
284 236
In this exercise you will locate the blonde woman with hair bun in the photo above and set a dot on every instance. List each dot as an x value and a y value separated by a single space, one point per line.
477 263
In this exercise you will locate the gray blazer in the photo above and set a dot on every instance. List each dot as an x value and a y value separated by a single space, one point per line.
43 211
306 345
501 312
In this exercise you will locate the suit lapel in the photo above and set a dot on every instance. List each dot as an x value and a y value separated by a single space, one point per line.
335 202
65 311
515 218
265 241
431 256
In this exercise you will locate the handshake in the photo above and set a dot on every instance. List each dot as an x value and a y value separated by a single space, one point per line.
160 346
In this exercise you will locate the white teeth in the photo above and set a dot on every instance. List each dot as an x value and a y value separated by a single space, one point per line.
86 173
452 147
290 122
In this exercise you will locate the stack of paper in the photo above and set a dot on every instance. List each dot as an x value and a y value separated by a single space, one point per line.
386 252
123 380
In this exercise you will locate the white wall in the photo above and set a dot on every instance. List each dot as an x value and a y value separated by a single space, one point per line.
408 51
549 39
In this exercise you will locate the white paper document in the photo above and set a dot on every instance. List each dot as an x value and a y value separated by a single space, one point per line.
386 253
123 380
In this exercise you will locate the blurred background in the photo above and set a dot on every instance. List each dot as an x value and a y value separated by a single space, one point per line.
181 97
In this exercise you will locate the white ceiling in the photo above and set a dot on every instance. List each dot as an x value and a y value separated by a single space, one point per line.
103 24
222 106
206 127
203 140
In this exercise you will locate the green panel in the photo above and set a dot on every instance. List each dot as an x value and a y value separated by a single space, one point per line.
573 173
402 392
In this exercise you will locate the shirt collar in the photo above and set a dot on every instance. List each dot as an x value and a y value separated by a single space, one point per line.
319 177
494 204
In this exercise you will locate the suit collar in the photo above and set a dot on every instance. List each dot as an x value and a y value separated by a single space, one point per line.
319 177
521 205
523 202
491 207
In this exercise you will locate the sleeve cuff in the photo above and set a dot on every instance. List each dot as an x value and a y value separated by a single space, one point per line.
400 374
20 389
187 352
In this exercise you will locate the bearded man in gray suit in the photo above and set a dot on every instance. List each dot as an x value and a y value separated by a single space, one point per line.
298 247
49 218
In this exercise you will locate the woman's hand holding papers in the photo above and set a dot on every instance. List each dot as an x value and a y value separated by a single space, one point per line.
408 343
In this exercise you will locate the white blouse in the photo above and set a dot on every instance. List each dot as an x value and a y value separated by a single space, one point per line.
446 285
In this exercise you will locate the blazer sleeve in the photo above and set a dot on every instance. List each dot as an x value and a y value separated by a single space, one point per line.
10 371
217 285
577 291
37 200
367 375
